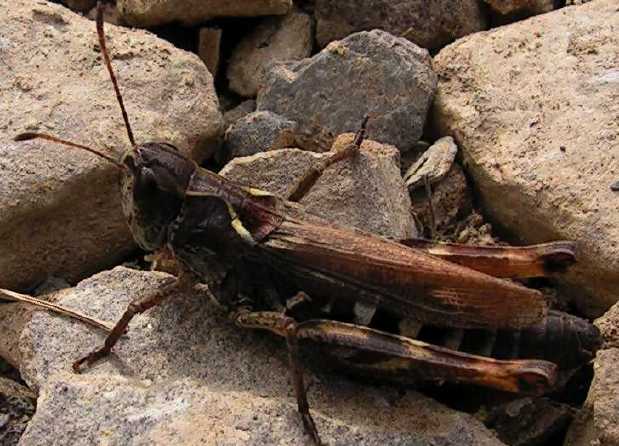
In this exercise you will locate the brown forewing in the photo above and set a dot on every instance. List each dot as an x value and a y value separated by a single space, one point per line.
408 281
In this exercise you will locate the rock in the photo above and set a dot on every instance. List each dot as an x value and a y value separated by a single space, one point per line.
13 319
433 164
146 13
366 192
80 5
430 24
186 375
17 404
286 38
372 73
451 199
259 132
110 14
542 149
209 43
60 208
529 421
238 112
576 2
598 423
608 325
506 7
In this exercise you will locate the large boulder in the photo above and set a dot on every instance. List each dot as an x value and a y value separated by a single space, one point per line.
372 73
60 208
428 23
534 108
275 39
184 374
366 192
146 13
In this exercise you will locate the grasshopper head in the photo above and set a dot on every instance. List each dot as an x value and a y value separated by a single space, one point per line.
153 188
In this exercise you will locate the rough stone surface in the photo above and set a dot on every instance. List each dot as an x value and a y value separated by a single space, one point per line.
17 404
259 132
238 112
515 6
59 208
209 43
366 192
542 148
286 38
433 164
372 73
609 327
145 13
598 422
13 319
186 375
529 421
428 23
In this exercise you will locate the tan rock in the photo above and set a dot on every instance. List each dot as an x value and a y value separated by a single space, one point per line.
186 375
59 208
598 422
276 39
146 13
366 192
534 108
608 325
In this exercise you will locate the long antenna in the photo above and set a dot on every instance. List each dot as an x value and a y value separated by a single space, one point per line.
108 63
32 135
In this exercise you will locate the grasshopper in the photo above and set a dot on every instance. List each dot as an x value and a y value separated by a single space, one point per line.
275 267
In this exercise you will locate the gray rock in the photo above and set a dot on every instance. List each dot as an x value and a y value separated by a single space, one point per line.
372 73
428 23
506 7
259 132
186 375
286 38
529 421
238 112
598 422
541 148
59 208
433 164
145 13
366 192
17 405
209 43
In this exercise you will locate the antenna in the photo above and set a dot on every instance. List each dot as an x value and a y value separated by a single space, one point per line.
108 64
30 135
